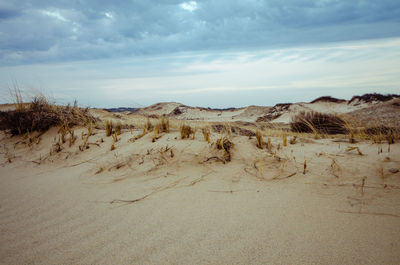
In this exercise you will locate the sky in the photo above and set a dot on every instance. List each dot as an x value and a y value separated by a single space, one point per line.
210 53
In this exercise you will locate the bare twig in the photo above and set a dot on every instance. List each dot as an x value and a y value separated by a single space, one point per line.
370 213
215 157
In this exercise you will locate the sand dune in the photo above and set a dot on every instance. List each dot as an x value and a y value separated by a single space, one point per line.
175 201
283 113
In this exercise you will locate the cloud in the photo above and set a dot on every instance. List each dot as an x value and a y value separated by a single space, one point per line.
189 6
262 77
54 31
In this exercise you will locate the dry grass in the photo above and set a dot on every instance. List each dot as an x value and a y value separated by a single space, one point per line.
351 148
118 128
186 131
137 137
115 137
225 144
40 115
318 123
284 140
156 130
72 137
335 168
260 140
109 128
164 124
85 144
148 125
206 134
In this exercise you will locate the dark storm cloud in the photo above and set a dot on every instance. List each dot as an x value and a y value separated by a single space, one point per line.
44 31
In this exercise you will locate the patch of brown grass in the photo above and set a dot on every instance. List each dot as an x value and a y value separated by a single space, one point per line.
186 131
40 115
109 128
318 123
226 145
206 134
260 139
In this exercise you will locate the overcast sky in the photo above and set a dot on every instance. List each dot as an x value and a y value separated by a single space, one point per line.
217 53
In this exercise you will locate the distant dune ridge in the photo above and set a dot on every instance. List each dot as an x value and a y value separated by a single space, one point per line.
295 183
358 107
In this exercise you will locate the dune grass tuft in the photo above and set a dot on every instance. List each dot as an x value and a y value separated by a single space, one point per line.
109 128
118 128
318 123
186 131
164 124
206 134
260 140
40 115
226 145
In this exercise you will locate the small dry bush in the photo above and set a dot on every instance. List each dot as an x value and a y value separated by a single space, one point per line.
315 122
40 115
186 131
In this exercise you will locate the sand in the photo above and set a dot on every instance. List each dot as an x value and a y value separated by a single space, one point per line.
195 212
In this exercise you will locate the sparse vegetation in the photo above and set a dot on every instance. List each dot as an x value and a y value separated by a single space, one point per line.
115 137
85 144
156 130
109 128
164 124
260 140
351 148
226 145
186 131
318 123
206 134
284 140
40 115
118 128
148 125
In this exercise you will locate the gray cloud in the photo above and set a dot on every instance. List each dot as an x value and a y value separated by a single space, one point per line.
49 31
